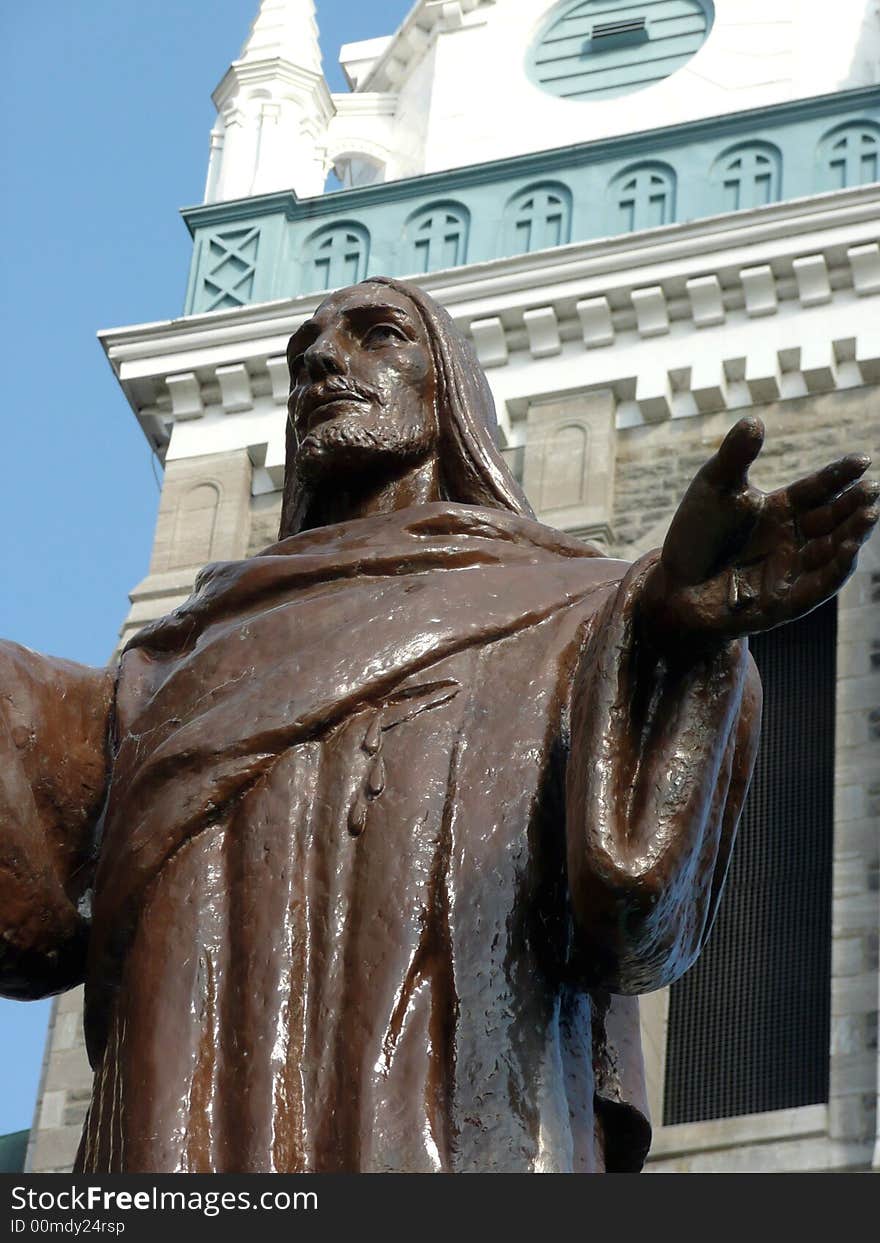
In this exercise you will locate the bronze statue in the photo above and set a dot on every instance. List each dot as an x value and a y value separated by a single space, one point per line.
364 852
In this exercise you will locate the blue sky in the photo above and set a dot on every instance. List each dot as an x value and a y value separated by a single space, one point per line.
107 112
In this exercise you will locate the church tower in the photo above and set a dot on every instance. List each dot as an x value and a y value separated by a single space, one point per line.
649 217
273 109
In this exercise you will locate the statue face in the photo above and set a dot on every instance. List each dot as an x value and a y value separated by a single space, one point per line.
362 385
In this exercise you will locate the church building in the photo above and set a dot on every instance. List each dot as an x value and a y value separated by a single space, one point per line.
649 217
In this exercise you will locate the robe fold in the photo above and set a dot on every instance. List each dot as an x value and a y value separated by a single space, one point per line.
373 842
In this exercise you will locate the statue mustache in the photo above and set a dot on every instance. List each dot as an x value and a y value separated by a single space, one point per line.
307 402
331 387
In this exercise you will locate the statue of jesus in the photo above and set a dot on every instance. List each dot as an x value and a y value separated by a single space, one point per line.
365 851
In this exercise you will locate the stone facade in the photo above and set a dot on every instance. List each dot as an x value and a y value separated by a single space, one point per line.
65 1090
203 516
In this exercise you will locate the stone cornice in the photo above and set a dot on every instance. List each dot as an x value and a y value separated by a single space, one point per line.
729 278
365 104
413 36
272 70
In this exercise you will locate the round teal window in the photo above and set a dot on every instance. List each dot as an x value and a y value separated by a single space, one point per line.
596 49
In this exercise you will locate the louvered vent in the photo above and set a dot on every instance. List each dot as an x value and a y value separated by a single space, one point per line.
595 49
635 29
749 1023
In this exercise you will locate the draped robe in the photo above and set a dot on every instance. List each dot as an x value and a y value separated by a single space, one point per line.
365 850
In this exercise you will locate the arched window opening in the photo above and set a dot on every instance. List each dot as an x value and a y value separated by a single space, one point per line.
850 156
538 218
749 176
336 256
565 467
437 237
357 169
643 197
194 525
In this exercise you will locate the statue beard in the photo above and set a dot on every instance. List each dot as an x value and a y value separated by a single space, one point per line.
345 447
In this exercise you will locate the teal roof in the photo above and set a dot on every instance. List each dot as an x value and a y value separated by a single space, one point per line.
13 1148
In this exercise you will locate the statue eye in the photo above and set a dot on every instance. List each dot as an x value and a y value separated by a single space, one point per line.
381 334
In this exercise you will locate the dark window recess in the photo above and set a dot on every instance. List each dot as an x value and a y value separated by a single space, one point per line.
749 1024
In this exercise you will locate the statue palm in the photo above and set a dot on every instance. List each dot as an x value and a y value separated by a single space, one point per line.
738 561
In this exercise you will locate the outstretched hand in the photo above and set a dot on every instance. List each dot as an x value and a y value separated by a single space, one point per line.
737 561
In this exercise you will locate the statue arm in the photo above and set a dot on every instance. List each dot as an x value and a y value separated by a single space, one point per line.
662 750
54 720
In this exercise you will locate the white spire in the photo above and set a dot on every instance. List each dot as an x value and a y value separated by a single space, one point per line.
273 109
285 30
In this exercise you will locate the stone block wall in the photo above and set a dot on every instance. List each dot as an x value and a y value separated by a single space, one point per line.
65 1090
655 462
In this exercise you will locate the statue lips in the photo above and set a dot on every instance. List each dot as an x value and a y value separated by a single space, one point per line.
321 402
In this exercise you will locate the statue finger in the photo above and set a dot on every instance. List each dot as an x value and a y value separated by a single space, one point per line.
824 484
815 588
842 566
824 519
729 468
854 529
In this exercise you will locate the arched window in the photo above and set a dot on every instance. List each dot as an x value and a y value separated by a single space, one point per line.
642 197
749 175
564 476
436 237
194 523
849 156
336 256
539 217
356 168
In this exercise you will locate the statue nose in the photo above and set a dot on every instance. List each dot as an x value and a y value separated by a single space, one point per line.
322 359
